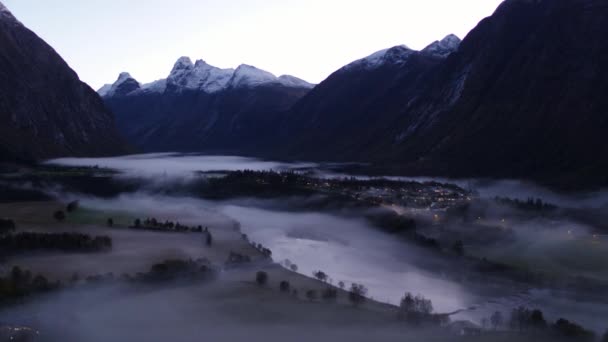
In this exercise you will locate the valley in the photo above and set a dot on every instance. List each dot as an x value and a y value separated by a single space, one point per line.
392 236
450 190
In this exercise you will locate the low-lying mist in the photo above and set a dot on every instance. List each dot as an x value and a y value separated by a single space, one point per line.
342 243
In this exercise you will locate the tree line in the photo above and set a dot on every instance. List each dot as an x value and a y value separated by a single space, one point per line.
66 242
153 224
527 321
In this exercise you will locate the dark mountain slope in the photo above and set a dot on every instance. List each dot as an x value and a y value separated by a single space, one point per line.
200 108
45 110
532 103
341 116
523 96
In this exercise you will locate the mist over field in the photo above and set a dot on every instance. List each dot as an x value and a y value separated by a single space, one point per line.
340 241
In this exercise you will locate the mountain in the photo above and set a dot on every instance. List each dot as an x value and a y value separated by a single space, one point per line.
45 110
523 96
202 108
350 111
528 87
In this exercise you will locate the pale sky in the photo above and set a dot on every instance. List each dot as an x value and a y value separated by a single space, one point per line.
306 38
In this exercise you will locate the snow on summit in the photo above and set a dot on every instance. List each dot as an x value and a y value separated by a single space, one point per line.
400 54
200 76
247 75
444 47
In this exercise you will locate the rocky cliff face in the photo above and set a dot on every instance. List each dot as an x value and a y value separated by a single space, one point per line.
45 110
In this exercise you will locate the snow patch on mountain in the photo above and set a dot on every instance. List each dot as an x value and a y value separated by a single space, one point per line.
395 55
124 85
292 81
104 90
400 54
249 76
201 76
158 86
443 48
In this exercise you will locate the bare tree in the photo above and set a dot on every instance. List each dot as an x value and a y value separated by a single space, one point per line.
497 320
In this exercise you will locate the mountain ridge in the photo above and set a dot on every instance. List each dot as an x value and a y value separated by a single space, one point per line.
45 110
200 76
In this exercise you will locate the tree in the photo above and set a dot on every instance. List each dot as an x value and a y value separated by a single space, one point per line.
7 226
40 283
320 275
110 222
572 330
357 293
423 305
537 320
341 285
284 286
209 240
75 278
605 337
458 248
72 206
59 215
17 274
311 295
261 278
485 323
418 306
137 223
497 320
329 294
294 267
407 303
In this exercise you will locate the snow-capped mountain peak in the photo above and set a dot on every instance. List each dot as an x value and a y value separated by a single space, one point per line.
247 75
292 81
104 90
123 77
200 76
400 54
182 63
444 47
395 55
124 85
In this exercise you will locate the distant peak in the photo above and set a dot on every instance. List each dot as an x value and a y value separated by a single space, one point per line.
451 40
201 76
444 47
124 85
200 63
395 55
247 75
183 63
105 90
123 76
243 67
292 81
